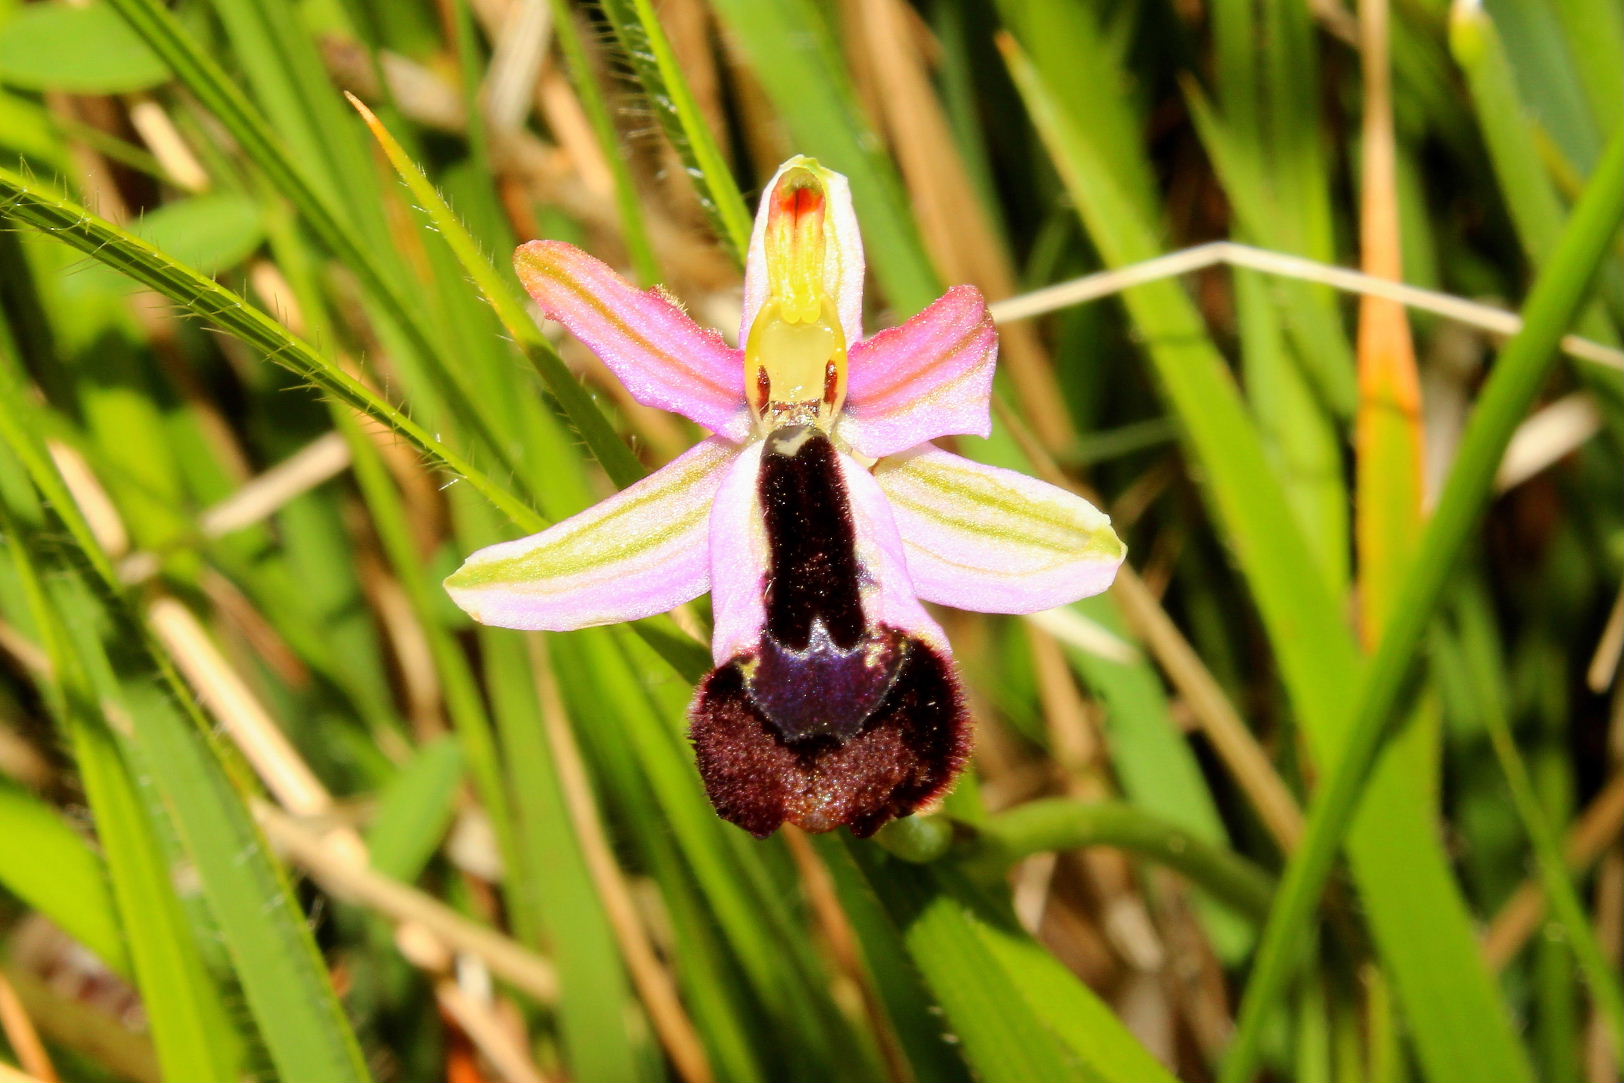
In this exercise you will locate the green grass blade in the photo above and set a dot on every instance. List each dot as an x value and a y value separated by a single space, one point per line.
1292 595
1515 381
270 946
1000 1034
1522 172
1017 1012
914 1017
499 289
80 49
604 1035
1154 763
280 64
50 867
1067 824
1398 859
1480 661
192 1033
336 222
632 222
644 41
1595 37
414 810
463 702
29 202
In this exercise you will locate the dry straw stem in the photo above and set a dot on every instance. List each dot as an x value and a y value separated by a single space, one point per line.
163 138
1604 664
654 982
1231 737
843 946
1543 439
510 79
954 223
22 1035
309 849
1602 1058
1551 433
1597 828
506 1055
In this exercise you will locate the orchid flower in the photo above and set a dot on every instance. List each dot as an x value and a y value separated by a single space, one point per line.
818 515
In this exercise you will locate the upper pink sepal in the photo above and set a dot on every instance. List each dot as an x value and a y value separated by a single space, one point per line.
843 265
640 552
663 357
995 541
930 377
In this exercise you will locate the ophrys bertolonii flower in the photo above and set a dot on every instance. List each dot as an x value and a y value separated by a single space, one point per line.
818 515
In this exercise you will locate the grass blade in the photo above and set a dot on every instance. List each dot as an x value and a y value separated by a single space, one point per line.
627 198
1398 858
1564 898
1066 824
192 1033
49 866
498 289
1019 1015
27 201
1556 297
645 43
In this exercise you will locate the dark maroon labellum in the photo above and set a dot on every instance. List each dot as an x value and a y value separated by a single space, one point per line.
830 720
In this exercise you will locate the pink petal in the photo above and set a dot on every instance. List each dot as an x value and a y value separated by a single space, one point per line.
663 357
640 552
738 559
930 377
994 540
889 592
843 269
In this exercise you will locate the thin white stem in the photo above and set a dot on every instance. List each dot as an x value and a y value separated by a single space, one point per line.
1230 253
319 461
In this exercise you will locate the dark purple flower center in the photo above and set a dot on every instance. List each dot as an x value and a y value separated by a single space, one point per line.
831 719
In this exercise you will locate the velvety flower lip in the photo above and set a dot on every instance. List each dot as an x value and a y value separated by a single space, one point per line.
835 700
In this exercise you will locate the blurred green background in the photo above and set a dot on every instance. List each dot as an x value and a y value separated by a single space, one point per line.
1329 787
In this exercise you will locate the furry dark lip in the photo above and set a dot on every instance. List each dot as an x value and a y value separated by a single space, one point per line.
830 720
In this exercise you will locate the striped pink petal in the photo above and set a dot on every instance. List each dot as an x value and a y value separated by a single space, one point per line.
930 377
663 357
992 540
640 552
